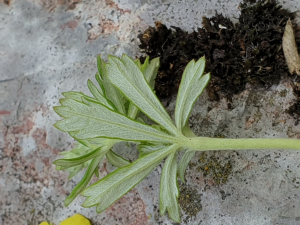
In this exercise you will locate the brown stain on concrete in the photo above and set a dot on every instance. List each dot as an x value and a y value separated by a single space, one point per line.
129 210
25 128
27 175
51 5
6 2
112 4
25 166
71 25
108 26
4 112
104 27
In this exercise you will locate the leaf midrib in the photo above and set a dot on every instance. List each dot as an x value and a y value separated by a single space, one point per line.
174 130
168 186
182 104
160 157
124 126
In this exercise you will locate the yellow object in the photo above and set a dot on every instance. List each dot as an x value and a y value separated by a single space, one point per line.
44 223
77 219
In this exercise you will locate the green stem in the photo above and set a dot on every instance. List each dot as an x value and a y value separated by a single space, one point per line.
206 144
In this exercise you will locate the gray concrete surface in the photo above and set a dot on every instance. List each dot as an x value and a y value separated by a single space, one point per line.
49 46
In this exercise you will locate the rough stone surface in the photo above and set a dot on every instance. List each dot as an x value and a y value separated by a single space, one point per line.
49 46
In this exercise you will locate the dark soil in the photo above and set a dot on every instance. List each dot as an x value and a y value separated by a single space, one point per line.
247 52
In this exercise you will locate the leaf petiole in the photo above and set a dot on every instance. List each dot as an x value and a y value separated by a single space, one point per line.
209 144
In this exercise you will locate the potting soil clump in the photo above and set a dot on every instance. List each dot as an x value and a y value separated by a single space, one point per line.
247 52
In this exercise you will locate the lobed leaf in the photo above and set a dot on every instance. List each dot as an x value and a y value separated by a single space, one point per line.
150 72
67 163
112 187
74 95
86 179
142 66
97 172
75 169
146 148
79 150
96 120
184 161
169 192
110 91
127 77
116 160
191 86
98 95
149 69
100 121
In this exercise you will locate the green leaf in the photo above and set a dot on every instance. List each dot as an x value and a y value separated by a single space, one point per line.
96 120
86 179
98 95
128 78
110 92
147 148
99 142
74 95
67 163
140 119
150 72
112 187
169 192
78 151
148 69
141 66
184 161
116 160
97 172
191 86
73 171
80 97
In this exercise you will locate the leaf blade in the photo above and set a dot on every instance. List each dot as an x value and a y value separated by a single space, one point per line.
150 73
73 95
116 160
96 120
85 180
169 192
184 161
112 187
97 94
191 86
67 163
127 77
110 91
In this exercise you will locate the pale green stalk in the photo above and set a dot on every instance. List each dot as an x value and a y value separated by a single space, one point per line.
208 144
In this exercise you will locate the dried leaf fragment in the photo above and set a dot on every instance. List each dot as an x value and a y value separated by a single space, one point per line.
290 49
